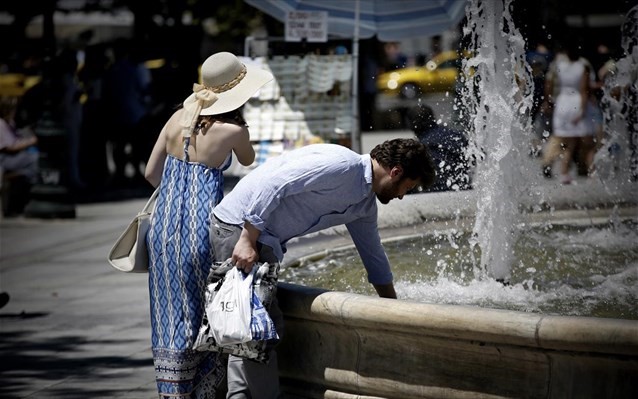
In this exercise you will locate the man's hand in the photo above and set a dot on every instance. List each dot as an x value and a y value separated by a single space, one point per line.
385 290
245 252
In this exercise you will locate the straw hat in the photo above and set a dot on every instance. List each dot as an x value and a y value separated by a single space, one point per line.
226 85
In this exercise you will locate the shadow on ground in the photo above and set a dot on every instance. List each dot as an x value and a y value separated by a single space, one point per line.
46 361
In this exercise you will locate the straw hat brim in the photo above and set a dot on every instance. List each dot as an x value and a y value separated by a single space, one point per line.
234 98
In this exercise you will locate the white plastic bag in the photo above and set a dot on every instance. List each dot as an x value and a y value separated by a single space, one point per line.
265 288
230 312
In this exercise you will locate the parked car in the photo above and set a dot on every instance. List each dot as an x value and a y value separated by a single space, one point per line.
437 75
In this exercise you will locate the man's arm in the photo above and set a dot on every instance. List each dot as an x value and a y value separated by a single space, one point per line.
385 290
245 252
365 236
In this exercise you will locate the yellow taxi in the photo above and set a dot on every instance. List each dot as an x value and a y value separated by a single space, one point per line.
437 75
15 84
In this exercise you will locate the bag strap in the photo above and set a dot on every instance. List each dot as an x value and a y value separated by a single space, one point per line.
151 202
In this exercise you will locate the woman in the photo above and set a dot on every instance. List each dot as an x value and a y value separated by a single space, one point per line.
568 119
193 149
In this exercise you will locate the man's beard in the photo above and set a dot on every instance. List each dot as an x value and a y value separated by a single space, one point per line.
387 194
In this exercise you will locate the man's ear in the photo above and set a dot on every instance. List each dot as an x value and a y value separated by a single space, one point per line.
396 171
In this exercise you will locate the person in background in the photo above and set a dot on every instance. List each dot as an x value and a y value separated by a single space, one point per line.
371 56
187 163
19 169
56 99
304 191
18 152
587 144
93 137
539 59
394 57
569 79
621 103
447 147
126 99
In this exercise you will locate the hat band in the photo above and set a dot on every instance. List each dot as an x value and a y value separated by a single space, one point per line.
229 85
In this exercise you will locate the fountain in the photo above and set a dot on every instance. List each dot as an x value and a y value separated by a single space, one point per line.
503 97
347 345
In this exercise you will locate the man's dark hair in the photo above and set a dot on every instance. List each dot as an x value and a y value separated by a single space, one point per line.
411 155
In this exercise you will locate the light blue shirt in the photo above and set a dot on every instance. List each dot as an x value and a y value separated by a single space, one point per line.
307 190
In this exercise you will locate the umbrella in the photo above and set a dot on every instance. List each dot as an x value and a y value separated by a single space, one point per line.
389 20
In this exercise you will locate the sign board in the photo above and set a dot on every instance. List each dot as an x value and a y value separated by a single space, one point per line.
309 25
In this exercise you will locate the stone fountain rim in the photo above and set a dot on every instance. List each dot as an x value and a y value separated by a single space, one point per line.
461 322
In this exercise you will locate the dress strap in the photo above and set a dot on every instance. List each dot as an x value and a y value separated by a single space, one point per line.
187 142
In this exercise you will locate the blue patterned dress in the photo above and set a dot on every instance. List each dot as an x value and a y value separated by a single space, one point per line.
180 257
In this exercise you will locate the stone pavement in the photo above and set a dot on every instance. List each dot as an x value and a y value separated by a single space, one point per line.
74 326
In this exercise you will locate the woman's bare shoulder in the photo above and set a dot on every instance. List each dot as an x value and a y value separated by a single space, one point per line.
229 130
173 126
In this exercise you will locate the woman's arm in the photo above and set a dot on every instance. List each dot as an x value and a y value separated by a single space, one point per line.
548 92
20 144
243 149
155 164
583 89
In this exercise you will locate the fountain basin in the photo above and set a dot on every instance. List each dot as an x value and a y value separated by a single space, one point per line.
340 345
344 345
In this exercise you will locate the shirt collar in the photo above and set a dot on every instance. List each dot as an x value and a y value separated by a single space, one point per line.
367 164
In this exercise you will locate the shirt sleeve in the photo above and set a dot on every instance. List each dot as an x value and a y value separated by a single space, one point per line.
365 235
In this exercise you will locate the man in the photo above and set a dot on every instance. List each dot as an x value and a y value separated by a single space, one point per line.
304 191
447 147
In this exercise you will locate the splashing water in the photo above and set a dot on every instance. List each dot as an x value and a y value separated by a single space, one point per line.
497 93
576 270
615 163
